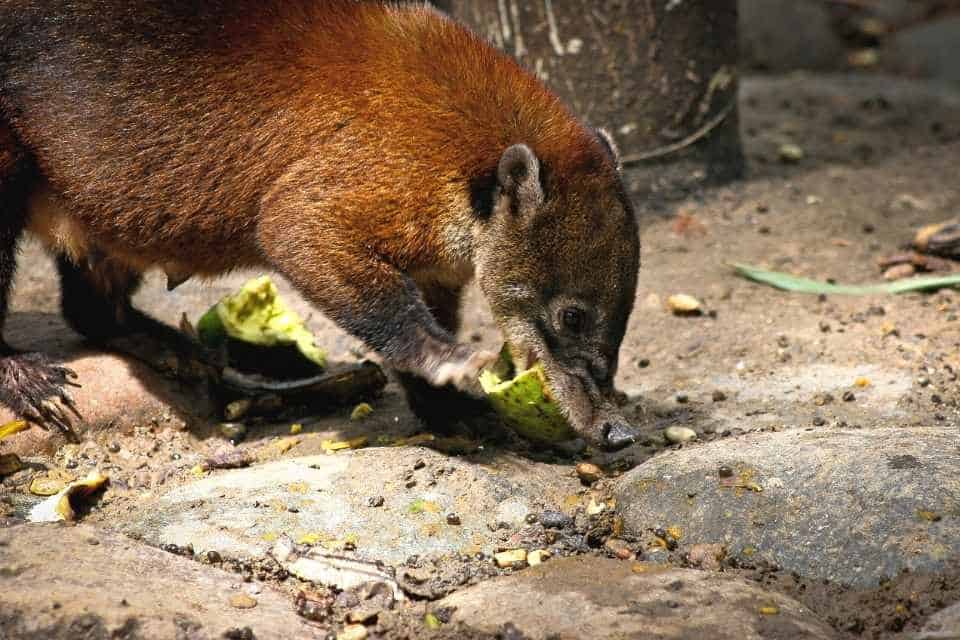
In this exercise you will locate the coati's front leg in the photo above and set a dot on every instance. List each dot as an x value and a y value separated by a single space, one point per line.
32 384
369 298
438 407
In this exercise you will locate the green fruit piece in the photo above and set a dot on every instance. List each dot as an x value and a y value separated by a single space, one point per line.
255 314
526 404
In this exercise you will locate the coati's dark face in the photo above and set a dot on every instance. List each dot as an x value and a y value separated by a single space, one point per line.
558 265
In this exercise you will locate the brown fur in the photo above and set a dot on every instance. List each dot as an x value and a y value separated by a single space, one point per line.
349 145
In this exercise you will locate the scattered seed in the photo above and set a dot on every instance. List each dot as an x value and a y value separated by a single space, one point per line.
684 304
242 601
589 473
233 431
790 153
237 409
361 411
510 558
679 435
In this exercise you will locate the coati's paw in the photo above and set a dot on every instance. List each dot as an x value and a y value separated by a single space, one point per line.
35 387
462 373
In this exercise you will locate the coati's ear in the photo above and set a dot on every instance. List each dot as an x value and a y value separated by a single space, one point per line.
518 179
607 139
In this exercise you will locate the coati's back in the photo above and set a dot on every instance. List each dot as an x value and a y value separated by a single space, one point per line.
377 154
182 113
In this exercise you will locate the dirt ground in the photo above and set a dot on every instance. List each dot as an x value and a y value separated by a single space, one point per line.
880 160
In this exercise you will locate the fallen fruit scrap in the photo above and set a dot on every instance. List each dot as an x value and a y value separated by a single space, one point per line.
256 315
524 402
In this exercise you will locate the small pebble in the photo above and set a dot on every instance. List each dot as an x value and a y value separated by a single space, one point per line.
818 421
679 435
589 473
923 381
643 363
353 632
555 519
719 396
725 472
682 398
848 396
453 519
419 464
375 501
538 556
242 601
618 548
936 399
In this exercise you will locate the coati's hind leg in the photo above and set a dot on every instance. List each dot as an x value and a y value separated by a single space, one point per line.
32 384
95 299
439 407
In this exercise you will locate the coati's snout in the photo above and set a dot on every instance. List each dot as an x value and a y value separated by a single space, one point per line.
558 260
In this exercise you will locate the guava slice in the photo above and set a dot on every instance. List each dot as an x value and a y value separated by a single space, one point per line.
526 404
255 314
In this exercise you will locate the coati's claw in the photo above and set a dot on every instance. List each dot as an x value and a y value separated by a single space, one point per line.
463 374
35 387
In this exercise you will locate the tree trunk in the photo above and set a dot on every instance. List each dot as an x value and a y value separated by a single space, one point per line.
659 74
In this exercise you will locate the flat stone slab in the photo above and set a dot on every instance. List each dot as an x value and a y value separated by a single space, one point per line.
63 583
599 598
116 393
943 625
850 506
330 498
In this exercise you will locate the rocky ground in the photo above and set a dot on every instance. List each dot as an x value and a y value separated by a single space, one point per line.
820 498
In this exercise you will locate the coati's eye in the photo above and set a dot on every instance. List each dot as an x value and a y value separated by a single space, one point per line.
574 320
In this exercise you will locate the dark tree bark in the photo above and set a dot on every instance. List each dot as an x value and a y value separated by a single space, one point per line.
659 74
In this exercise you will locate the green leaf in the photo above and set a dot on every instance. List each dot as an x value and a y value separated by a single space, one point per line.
788 282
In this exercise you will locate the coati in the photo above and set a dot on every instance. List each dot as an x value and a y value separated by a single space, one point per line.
377 154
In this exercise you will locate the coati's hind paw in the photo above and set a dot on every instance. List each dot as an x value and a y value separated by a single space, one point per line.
35 387
462 373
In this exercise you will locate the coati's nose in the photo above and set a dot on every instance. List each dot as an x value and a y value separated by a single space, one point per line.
617 435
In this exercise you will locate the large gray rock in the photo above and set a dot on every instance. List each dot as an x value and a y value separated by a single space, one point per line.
326 498
847 506
943 625
63 583
599 598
